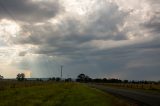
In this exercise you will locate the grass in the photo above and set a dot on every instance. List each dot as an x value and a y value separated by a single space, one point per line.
57 94
142 87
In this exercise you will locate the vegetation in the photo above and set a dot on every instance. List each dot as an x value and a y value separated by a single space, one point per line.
1 77
86 78
83 78
55 94
143 85
147 87
21 77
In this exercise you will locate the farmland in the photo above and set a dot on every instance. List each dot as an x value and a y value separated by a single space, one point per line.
13 93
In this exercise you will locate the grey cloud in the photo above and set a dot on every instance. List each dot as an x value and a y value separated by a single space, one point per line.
154 24
22 53
71 38
143 60
27 10
71 33
104 24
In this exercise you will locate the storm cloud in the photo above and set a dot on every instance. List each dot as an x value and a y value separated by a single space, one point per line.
102 38
28 10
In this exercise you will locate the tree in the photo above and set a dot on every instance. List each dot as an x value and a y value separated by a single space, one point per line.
83 78
125 81
52 79
1 77
21 77
58 79
68 80
87 79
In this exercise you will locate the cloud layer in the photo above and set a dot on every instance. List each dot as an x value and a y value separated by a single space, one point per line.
102 38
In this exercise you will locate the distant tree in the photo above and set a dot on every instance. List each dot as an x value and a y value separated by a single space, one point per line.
113 80
125 81
97 80
39 79
49 79
21 77
104 80
83 78
1 77
57 79
68 80
133 82
52 79
87 79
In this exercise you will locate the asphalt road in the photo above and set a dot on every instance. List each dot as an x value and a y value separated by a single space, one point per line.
140 97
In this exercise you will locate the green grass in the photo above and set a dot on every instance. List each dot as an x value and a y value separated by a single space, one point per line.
57 94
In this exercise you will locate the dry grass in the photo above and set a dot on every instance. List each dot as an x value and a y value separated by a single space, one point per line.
147 87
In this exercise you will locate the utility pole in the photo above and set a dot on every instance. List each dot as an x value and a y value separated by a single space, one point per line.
61 71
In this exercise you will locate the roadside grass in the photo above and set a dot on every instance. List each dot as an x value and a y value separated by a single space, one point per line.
58 94
152 88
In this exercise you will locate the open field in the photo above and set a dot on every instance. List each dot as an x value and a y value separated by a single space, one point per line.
54 94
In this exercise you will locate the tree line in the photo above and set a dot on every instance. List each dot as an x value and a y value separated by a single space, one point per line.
86 79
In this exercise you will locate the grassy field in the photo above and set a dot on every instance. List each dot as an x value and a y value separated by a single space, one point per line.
56 94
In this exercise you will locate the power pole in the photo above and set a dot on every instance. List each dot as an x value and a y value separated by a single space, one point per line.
61 71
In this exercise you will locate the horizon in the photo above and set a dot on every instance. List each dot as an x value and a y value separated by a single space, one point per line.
92 78
74 78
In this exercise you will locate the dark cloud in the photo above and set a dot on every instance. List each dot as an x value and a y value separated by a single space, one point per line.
104 22
139 62
28 10
154 24
98 44
71 33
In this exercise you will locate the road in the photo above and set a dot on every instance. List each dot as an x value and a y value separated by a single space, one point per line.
140 97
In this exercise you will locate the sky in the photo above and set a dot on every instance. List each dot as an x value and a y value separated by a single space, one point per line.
100 38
